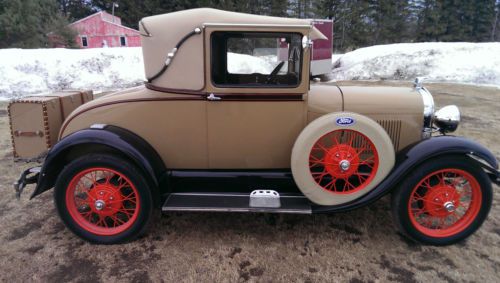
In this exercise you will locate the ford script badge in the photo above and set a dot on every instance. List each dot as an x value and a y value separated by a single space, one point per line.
345 121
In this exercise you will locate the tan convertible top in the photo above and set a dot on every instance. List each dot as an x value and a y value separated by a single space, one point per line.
161 33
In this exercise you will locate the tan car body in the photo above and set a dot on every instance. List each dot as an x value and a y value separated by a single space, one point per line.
278 142
249 128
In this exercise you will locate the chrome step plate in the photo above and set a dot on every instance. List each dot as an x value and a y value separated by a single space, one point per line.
236 202
265 198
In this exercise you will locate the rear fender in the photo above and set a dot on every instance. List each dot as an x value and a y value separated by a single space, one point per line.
105 138
416 154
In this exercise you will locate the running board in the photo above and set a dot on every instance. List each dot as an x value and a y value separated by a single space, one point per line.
238 202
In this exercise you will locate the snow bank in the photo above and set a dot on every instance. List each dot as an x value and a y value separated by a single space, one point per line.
33 71
25 72
38 71
247 64
475 63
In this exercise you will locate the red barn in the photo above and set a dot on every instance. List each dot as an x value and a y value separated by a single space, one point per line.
104 30
321 59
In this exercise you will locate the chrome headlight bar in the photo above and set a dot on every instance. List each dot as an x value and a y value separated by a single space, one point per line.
445 119
429 107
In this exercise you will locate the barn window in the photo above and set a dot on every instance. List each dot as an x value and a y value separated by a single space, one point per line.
123 41
84 41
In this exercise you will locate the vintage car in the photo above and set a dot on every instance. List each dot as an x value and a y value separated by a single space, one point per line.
229 120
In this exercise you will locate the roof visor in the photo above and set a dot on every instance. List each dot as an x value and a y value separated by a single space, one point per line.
316 34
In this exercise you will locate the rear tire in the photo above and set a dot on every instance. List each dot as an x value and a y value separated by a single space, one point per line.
103 199
443 201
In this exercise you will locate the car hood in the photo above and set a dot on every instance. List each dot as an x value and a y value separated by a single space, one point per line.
367 100
377 100
324 98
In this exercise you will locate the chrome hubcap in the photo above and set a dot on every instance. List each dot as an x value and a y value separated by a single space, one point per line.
99 204
449 206
344 165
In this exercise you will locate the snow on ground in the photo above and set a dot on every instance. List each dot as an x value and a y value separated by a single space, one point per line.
336 57
473 63
38 71
247 64
35 71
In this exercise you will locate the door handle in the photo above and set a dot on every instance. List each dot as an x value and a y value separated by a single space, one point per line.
212 97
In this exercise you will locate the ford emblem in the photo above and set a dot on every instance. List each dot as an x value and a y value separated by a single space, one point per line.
345 121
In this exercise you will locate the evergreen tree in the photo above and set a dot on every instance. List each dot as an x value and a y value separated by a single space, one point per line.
27 23
75 9
429 26
278 8
302 8
495 32
389 20
357 23
456 20
329 9
353 28
484 19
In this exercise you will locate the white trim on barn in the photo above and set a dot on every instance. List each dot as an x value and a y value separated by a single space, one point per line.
87 17
120 25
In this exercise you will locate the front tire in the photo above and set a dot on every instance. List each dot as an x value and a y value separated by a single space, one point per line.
443 201
103 199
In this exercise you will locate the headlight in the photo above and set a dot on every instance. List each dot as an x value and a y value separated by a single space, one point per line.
447 118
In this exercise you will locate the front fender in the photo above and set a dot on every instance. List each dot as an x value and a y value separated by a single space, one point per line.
119 140
416 154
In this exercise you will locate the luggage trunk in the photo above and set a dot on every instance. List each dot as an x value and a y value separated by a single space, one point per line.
35 121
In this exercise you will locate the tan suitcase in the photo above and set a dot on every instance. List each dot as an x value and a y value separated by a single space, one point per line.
72 99
35 121
87 95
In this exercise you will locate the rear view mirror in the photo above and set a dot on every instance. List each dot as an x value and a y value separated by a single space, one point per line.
306 42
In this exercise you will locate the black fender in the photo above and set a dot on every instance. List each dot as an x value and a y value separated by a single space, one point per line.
110 138
414 155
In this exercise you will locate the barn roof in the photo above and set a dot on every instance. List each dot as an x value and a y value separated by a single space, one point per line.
103 18
161 33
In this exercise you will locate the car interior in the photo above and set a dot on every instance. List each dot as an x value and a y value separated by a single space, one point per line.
278 57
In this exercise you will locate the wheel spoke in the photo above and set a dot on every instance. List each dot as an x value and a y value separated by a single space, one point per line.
332 185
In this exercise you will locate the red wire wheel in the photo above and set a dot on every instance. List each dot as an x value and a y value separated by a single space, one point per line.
102 201
343 161
445 203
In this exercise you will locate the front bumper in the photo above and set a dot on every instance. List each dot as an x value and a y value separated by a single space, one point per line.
497 179
29 176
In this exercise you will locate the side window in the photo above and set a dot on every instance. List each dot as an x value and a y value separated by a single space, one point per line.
84 41
254 59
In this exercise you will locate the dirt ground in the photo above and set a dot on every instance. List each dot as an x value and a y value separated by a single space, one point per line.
356 246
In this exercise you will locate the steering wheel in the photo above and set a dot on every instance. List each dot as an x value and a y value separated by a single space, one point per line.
272 76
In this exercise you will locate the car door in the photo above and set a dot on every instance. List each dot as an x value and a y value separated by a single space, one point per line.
257 84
